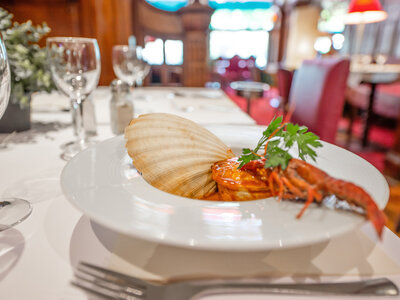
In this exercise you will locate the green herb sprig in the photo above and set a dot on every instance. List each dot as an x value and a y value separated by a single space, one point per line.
280 138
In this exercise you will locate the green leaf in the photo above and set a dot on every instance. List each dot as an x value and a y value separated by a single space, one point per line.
247 157
277 157
281 138
274 125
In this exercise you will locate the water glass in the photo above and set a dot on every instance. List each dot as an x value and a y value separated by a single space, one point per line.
129 64
75 68
12 210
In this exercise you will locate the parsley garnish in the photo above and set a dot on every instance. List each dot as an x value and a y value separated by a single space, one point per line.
279 138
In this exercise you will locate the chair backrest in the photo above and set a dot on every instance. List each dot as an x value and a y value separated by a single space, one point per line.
285 78
318 93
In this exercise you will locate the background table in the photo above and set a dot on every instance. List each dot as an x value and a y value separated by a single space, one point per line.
249 90
37 257
373 75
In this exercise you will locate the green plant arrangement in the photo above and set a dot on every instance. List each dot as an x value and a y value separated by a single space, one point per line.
29 72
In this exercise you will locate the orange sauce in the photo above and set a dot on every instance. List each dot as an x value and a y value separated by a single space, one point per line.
214 196
237 185
227 174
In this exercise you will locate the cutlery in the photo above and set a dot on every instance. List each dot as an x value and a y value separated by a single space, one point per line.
114 285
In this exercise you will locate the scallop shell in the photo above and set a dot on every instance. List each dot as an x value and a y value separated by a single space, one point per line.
175 154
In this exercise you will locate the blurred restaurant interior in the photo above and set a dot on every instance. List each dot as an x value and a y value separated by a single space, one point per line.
172 149
338 60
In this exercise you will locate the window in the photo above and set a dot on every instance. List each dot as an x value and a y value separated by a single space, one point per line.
238 28
165 57
331 18
153 51
252 43
173 52
242 32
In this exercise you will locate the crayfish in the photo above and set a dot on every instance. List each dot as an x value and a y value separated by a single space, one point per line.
299 180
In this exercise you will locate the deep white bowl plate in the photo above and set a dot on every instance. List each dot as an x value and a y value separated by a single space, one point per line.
104 185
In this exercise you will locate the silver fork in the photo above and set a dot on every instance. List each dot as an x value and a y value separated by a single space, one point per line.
113 285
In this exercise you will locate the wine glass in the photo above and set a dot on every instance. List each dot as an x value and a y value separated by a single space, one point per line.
75 68
126 63
144 67
12 210
130 66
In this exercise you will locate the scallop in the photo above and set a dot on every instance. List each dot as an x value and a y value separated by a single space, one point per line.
175 154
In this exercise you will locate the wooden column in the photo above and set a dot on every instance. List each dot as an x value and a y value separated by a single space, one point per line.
283 31
195 20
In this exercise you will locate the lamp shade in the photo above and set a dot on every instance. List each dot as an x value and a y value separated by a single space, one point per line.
365 11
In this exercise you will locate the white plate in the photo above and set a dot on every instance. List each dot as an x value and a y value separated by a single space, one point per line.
102 183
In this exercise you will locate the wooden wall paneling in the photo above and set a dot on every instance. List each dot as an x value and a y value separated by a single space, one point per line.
152 21
123 21
63 17
110 22
88 18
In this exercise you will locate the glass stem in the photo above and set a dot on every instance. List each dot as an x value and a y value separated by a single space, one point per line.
77 119
139 82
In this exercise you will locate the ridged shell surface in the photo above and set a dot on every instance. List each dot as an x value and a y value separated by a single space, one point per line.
175 154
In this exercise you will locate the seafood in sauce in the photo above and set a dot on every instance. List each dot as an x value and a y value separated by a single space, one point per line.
181 157
300 180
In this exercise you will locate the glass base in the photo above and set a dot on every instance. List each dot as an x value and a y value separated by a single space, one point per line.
73 148
13 211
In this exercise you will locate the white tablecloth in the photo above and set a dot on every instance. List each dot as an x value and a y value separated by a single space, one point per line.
37 257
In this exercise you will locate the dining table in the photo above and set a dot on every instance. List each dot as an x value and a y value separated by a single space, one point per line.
39 255
249 90
373 74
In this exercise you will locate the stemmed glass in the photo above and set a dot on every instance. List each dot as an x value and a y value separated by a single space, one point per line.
12 210
126 63
129 64
144 68
75 68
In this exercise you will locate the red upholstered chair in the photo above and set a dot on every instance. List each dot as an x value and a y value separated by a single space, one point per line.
318 93
285 78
